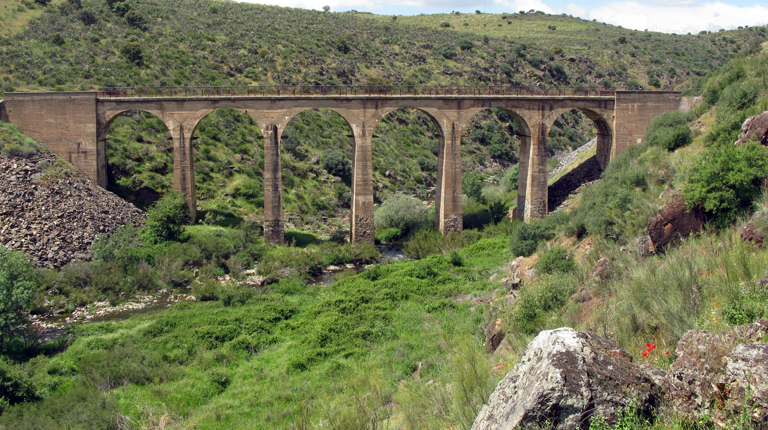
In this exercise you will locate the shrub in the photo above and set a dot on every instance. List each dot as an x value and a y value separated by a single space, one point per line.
556 259
446 51
121 8
538 299
87 17
17 285
510 178
472 185
726 180
389 235
466 45
337 164
165 220
402 212
15 387
669 130
133 53
134 19
526 237
737 96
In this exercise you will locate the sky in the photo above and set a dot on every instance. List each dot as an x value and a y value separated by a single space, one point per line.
671 16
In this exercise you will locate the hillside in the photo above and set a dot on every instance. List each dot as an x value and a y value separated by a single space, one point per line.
411 344
87 44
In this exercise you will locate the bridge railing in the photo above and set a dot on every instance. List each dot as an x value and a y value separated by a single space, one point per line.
344 90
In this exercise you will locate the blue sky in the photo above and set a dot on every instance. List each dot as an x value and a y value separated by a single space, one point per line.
672 16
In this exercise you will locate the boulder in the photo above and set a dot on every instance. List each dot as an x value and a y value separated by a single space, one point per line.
745 383
673 222
602 269
494 334
565 378
707 378
755 128
752 231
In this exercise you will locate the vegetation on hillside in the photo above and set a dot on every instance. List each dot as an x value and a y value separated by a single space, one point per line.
393 346
87 44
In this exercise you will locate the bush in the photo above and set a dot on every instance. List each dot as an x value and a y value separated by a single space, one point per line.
165 220
17 285
537 300
132 52
526 237
87 17
556 259
135 20
466 45
669 130
389 235
472 185
402 212
726 180
336 164
14 386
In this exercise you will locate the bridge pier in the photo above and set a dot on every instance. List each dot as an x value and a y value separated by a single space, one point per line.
361 222
183 165
274 227
449 216
536 174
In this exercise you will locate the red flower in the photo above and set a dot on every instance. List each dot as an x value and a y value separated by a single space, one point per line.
645 354
648 345
667 352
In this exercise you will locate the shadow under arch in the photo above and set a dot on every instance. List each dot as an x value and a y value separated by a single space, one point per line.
317 144
228 166
589 168
401 155
135 152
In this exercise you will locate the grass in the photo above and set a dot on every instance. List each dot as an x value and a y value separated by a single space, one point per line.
272 361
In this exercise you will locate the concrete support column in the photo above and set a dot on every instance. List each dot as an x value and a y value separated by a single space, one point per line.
448 209
536 193
522 176
183 165
361 221
274 228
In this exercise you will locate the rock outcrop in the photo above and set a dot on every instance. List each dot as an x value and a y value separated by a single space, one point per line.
755 128
566 378
673 222
714 372
54 213
753 230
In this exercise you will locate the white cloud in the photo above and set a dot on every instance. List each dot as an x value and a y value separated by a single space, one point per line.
679 17
670 16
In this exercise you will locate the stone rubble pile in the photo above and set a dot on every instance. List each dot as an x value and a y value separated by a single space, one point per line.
54 213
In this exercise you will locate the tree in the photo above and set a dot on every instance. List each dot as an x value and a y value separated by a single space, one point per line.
336 163
326 8
165 220
132 52
17 285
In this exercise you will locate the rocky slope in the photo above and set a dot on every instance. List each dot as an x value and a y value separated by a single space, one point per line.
54 213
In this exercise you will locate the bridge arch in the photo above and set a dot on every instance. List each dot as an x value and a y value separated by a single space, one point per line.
399 126
119 152
217 137
331 141
603 130
495 140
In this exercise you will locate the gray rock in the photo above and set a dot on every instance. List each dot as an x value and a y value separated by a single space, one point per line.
565 378
55 219
699 383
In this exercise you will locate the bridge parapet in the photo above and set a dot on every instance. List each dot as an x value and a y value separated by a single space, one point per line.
346 90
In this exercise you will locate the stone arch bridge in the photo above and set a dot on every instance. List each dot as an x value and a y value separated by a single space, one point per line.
74 125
